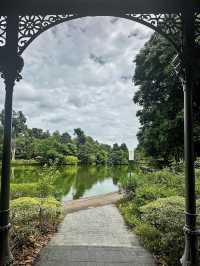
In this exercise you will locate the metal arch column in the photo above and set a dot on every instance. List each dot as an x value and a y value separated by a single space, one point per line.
190 257
10 66
9 61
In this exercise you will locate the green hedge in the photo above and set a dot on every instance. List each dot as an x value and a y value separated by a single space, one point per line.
70 160
148 193
24 190
31 217
167 217
154 207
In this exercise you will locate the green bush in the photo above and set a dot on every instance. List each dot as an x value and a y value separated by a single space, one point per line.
32 217
24 190
129 185
156 211
46 180
167 179
29 202
71 160
165 215
150 236
130 212
148 193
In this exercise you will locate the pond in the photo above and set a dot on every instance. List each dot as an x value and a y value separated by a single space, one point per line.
74 182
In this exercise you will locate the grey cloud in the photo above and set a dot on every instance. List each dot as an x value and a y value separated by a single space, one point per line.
98 59
64 88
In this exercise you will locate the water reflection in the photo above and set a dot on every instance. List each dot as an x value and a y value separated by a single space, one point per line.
74 182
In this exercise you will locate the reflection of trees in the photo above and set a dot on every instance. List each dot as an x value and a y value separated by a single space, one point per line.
87 177
65 180
77 179
25 174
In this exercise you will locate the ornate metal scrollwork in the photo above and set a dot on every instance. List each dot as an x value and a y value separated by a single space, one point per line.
2 30
168 25
32 26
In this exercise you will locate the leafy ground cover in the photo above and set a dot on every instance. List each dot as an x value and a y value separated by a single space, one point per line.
153 207
35 216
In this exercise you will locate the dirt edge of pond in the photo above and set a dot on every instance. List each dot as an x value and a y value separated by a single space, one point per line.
92 202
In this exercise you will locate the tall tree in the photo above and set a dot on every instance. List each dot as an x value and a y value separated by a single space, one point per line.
19 127
81 138
160 97
65 138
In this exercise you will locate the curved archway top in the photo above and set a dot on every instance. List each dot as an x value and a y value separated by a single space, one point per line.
36 16
31 26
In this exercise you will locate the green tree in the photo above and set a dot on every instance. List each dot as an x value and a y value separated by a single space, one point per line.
65 138
80 135
47 148
19 127
160 98
119 155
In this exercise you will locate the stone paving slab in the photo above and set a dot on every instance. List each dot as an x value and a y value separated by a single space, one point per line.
95 237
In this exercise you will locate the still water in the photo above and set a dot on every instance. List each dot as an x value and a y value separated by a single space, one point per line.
75 182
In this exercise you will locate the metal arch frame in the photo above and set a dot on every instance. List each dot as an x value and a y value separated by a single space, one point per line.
168 26
151 21
11 65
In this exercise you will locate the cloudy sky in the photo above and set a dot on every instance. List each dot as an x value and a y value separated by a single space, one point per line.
79 74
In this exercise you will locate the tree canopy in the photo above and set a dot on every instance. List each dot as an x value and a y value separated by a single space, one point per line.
160 97
35 143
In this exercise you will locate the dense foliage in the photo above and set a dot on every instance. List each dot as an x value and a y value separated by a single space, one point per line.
160 96
32 219
154 207
35 215
35 143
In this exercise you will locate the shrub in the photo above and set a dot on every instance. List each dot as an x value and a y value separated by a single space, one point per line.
168 179
32 217
71 160
24 190
147 193
150 236
46 181
130 212
129 185
165 215
156 210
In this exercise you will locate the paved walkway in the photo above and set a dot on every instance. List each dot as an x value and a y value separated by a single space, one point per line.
95 237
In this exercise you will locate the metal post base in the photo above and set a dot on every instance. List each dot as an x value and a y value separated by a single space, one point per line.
6 258
190 256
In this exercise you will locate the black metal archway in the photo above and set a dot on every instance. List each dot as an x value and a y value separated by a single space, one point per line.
177 20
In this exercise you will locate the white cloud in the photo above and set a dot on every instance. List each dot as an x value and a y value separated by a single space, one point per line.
78 74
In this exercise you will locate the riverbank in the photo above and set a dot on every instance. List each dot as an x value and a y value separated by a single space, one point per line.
24 162
91 202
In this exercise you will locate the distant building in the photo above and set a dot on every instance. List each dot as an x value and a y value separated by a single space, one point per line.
131 155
